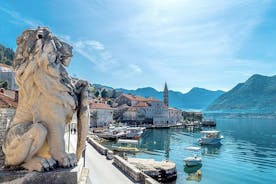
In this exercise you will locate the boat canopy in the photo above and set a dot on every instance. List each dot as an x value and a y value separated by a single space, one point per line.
192 148
127 141
210 132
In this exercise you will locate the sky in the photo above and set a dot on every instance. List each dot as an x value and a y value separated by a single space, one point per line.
131 44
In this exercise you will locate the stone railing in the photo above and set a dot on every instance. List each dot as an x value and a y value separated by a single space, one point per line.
101 149
134 173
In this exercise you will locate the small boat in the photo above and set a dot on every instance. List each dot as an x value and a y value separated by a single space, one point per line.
126 145
210 137
134 132
193 160
111 134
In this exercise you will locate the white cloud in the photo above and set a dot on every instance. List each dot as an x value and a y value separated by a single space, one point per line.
96 45
135 68
18 19
92 50
195 28
96 53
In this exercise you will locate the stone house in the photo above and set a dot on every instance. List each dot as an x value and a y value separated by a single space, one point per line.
101 114
149 110
192 116
175 116
7 74
130 100
130 114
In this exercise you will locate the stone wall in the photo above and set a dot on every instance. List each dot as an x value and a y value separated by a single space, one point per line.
5 117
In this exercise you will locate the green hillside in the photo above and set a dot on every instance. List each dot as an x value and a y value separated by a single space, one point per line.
257 94
6 55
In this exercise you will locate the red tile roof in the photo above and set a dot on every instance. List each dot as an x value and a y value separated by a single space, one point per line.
139 98
94 105
151 99
133 97
7 102
10 93
133 109
6 66
141 104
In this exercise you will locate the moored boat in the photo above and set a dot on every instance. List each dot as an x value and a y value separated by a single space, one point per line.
193 160
134 132
111 134
210 137
126 145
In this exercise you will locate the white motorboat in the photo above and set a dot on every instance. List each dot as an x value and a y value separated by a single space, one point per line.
111 134
134 132
193 160
210 137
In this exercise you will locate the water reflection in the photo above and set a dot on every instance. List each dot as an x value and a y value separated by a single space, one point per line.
157 140
247 153
193 173
211 150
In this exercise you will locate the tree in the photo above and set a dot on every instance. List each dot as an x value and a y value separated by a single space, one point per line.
104 93
113 95
109 102
4 84
97 94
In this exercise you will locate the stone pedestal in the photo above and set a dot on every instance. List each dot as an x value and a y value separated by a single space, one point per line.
59 176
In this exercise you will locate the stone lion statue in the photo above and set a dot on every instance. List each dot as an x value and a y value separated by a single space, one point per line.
48 98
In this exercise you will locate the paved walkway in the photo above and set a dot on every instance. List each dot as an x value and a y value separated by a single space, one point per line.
101 171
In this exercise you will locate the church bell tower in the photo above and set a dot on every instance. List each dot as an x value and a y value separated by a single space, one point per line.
166 95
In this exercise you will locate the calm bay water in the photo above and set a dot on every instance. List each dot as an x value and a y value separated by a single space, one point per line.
247 153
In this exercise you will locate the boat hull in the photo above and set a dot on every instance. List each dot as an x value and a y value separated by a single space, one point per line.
209 141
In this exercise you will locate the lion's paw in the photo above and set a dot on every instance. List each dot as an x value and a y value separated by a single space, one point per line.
70 160
40 164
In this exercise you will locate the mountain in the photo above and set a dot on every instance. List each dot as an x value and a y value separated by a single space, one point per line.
6 55
257 95
196 98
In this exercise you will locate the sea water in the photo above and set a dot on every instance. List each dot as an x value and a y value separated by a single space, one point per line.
247 153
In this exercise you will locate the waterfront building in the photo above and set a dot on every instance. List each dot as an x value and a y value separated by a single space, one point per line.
7 74
129 100
149 111
101 114
130 114
192 116
175 116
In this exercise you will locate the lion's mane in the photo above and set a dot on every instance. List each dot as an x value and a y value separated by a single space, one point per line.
39 72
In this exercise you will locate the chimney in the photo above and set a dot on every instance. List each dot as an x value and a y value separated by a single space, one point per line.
16 95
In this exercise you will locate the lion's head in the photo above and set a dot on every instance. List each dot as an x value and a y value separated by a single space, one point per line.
40 60
29 43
